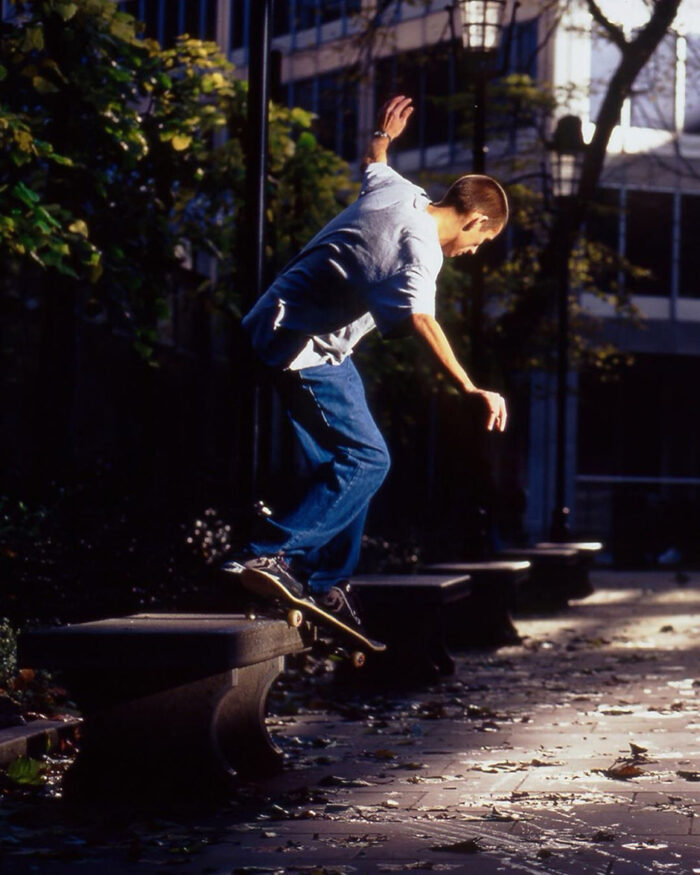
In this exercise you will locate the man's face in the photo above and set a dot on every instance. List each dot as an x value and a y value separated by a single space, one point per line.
470 238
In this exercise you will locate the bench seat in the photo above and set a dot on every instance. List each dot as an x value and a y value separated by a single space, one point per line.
559 573
165 695
408 612
483 619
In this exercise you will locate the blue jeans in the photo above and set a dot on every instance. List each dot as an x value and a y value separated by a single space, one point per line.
348 459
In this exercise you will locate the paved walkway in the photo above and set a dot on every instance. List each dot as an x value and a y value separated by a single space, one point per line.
577 752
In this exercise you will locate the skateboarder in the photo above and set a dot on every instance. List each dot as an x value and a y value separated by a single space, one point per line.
374 265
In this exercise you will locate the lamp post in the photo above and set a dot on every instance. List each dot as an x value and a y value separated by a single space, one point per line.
482 24
566 151
256 180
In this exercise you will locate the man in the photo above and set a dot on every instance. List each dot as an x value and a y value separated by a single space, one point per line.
375 264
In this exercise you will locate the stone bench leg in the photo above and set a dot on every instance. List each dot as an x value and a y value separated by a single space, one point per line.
158 728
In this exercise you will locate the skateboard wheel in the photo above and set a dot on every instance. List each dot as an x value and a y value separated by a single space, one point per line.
295 618
357 658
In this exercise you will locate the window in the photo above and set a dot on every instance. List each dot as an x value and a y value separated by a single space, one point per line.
648 240
689 284
692 85
281 17
333 98
172 23
426 76
604 60
306 14
522 57
603 226
438 83
238 23
165 20
331 10
652 102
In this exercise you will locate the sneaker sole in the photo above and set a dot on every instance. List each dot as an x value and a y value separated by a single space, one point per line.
268 587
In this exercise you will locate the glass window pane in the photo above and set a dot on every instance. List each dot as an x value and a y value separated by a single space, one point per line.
326 124
209 19
192 18
652 102
604 60
280 22
237 23
436 125
603 226
348 145
408 82
648 240
151 19
171 23
331 10
523 48
692 85
306 14
690 251
303 94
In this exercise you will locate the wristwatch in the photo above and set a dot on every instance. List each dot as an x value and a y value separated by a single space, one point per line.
382 134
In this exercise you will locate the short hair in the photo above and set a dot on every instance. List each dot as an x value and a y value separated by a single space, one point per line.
476 191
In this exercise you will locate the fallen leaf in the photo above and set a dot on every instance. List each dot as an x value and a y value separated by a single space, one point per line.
623 770
469 846
689 776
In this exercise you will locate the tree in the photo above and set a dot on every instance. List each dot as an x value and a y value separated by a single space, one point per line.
121 164
114 155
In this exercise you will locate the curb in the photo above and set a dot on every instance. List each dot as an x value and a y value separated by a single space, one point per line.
35 739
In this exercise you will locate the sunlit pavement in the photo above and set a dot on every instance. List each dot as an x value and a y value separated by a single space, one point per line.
576 752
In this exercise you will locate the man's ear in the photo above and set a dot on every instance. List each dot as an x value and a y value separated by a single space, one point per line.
475 220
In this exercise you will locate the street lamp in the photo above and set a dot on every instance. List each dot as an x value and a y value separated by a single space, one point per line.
482 24
566 152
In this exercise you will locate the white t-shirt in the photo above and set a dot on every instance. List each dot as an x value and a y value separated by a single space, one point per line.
373 265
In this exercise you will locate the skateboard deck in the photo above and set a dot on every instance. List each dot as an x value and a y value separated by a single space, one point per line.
268 587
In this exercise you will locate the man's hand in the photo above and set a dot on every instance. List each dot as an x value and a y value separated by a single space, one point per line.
394 114
429 330
497 408
392 120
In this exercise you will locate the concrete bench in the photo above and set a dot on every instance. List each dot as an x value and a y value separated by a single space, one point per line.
580 584
555 576
167 697
483 619
408 613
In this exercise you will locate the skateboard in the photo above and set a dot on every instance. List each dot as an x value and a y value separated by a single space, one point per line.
303 610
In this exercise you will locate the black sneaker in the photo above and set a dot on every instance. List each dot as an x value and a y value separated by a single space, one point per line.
277 568
340 602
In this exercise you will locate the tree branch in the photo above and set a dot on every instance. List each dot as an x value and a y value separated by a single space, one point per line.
614 33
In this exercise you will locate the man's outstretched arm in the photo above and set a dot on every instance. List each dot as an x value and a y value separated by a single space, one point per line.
391 121
430 332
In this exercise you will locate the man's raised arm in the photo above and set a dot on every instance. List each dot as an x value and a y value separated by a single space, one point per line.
431 333
391 121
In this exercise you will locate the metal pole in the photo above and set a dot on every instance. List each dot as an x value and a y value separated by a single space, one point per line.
256 176
258 99
478 166
560 515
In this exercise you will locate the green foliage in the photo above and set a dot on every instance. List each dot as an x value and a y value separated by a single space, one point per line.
27 772
8 653
120 156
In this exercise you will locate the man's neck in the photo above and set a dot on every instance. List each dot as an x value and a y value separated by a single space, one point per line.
446 220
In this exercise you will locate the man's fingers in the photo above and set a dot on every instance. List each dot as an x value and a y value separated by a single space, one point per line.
399 106
504 415
497 411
